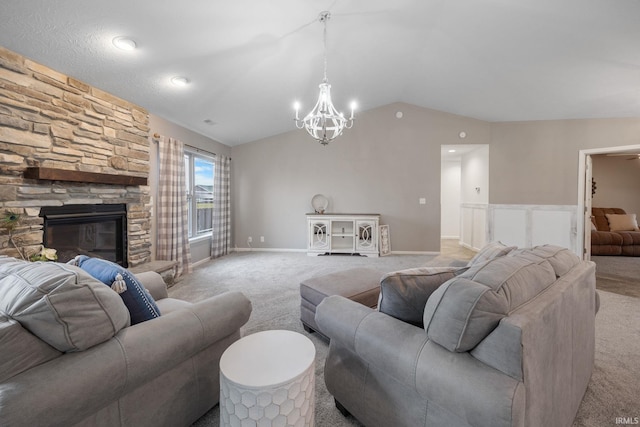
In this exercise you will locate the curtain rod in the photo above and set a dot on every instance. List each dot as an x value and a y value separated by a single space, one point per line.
156 137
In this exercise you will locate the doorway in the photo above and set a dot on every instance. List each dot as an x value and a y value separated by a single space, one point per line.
464 195
585 175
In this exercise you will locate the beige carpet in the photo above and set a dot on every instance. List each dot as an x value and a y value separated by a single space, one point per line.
271 281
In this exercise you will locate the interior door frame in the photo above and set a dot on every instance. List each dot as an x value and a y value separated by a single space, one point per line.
583 202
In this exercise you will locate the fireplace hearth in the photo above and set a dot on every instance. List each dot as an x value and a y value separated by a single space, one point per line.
95 230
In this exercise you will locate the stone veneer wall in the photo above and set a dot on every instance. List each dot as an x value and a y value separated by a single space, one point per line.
52 120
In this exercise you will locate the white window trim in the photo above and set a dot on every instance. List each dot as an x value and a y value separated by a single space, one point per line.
192 153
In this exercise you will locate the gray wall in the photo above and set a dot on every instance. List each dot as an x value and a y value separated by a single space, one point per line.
475 174
537 162
200 248
617 183
450 187
383 165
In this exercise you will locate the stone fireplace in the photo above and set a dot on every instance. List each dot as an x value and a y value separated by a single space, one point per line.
66 144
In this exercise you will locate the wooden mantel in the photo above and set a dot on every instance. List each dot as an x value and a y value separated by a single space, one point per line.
53 174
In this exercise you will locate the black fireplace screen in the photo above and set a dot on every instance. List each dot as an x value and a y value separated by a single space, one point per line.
93 230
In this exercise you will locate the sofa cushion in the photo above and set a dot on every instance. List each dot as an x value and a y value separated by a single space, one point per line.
561 259
490 251
21 350
139 302
622 222
404 293
463 311
60 304
519 278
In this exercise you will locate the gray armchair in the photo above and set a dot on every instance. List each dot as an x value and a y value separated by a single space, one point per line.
509 342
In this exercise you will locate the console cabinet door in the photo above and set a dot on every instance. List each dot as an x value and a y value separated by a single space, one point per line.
367 236
319 239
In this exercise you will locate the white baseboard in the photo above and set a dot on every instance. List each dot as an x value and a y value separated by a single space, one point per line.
464 245
304 251
268 250
415 253
202 261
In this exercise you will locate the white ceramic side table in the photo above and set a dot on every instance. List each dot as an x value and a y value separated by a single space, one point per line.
267 379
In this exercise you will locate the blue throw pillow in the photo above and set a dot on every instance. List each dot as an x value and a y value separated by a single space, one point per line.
137 299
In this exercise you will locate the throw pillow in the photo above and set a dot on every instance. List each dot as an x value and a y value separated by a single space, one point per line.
404 293
489 252
622 222
60 304
464 310
138 300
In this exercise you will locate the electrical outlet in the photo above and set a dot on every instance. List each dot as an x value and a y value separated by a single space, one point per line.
250 239
261 239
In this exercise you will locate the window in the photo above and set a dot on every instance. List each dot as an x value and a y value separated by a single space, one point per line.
199 171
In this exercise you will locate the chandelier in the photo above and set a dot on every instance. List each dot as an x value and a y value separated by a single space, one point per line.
324 123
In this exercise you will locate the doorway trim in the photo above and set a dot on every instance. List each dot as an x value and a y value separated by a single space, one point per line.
582 194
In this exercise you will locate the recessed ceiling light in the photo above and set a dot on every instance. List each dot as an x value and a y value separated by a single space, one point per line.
124 43
452 151
179 81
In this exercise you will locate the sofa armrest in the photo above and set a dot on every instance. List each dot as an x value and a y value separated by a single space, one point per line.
190 330
454 381
136 355
376 337
154 283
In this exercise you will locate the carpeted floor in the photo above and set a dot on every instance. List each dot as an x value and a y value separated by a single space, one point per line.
618 274
271 281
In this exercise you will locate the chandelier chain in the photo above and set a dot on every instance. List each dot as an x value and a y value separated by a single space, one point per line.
324 18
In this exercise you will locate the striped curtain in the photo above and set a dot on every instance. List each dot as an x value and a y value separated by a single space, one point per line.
221 208
173 218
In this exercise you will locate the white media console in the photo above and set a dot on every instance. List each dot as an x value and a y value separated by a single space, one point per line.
343 234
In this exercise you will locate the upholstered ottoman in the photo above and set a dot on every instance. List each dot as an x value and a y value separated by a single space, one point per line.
361 285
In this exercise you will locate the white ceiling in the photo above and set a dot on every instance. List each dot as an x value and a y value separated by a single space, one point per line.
249 60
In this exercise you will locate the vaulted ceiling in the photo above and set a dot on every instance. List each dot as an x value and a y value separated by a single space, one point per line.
247 61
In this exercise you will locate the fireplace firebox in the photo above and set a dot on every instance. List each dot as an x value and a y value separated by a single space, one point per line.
93 230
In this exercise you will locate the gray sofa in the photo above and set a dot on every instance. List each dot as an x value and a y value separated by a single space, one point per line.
70 358
506 342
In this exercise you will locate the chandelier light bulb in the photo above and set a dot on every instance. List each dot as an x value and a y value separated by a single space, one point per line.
296 106
353 107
